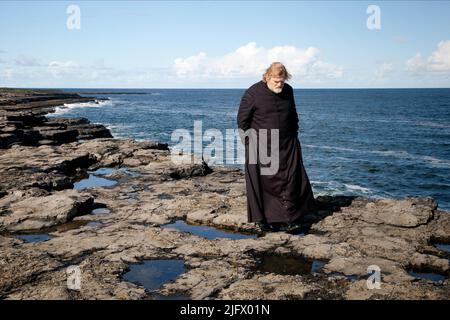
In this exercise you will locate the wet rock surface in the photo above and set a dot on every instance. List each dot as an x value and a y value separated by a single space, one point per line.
153 212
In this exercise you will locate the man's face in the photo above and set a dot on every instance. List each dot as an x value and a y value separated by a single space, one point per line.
276 84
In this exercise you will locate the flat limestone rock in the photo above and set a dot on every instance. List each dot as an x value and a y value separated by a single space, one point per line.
40 212
402 213
267 287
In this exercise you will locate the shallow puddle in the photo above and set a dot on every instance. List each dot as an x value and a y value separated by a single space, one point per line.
30 238
100 211
93 181
108 171
152 274
44 234
427 275
288 265
443 247
208 232
94 178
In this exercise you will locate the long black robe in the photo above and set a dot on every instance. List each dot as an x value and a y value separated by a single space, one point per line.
286 195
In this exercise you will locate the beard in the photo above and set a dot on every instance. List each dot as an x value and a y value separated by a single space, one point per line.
277 90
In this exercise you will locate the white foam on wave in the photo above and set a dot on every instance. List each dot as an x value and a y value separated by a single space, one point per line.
318 182
437 162
433 124
331 148
354 187
339 188
67 107
394 153
117 127
400 154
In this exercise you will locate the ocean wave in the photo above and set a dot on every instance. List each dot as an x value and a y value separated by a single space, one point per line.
333 187
437 162
400 154
117 127
433 124
354 187
319 182
331 148
341 189
67 107
394 153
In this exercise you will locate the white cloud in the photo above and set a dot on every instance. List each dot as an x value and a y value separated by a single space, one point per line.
437 62
440 59
251 61
6 73
61 69
24 61
76 71
73 73
383 71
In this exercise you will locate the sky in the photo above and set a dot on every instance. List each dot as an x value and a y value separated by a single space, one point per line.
224 44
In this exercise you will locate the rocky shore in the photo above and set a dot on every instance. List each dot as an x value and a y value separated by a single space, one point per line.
137 226
23 121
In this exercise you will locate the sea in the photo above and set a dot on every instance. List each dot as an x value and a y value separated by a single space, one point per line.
378 143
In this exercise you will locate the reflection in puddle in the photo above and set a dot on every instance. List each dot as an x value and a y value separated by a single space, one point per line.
427 276
287 265
103 171
93 181
152 274
107 171
29 238
317 265
100 211
443 247
208 232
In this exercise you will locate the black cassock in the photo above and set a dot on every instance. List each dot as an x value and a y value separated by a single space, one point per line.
286 195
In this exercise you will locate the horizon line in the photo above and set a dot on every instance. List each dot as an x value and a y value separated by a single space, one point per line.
197 88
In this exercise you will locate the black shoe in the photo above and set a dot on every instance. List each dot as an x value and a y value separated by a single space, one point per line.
290 226
267 227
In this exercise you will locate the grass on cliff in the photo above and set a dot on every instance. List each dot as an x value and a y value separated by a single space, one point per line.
4 90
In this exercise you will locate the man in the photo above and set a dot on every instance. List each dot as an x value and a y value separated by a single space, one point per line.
275 201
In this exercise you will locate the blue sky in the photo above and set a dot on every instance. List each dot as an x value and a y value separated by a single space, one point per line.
223 44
